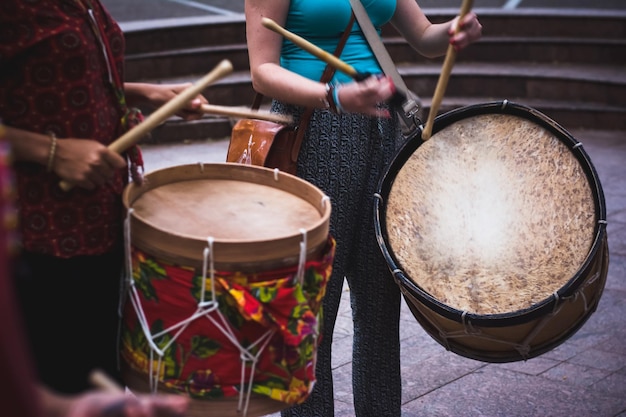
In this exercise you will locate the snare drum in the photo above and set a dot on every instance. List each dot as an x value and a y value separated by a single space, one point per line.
228 266
495 231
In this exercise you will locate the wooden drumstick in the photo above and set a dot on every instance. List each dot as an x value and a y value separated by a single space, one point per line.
315 50
101 380
242 112
170 108
442 84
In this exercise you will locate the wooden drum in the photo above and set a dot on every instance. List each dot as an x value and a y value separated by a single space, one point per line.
227 268
495 230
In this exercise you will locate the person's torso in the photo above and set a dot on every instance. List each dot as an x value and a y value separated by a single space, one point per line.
54 77
322 23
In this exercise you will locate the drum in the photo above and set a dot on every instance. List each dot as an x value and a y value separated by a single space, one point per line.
495 231
227 268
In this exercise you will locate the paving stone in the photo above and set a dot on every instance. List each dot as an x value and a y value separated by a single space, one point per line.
597 359
576 374
430 373
341 351
614 384
497 392
617 245
534 366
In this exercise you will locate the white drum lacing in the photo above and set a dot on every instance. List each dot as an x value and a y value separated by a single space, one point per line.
206 308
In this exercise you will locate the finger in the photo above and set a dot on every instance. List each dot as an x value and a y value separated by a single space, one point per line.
97 179
85 183
169 405
453 26
383 113
114 160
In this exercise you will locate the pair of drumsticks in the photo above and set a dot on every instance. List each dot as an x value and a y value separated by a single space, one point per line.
225 67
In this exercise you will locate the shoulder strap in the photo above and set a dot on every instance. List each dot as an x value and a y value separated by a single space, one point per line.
327 75
407 100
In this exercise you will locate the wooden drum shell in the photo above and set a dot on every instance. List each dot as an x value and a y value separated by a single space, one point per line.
228 191
508 335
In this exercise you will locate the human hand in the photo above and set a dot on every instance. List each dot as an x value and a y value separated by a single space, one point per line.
365 96
162 93
106 404
85 163
464 31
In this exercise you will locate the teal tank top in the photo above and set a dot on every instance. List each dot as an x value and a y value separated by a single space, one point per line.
322 22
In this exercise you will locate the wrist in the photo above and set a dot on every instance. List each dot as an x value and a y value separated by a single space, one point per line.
324 99
51 151
332 96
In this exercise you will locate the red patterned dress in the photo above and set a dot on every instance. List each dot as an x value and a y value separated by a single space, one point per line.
54 77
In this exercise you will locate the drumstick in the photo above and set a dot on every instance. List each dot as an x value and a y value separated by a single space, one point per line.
243 112
135 134
315 50
442 84
101 380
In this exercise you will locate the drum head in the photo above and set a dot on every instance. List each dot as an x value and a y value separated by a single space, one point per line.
256 217
493 215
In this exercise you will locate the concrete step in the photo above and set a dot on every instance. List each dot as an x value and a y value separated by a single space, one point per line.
506 49
157 49
569 64
559 82
587 116
179 62
171 34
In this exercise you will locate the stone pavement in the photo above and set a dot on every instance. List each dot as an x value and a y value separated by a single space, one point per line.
583 377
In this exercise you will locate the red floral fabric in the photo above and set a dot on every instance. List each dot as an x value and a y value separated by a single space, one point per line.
54 78
202 361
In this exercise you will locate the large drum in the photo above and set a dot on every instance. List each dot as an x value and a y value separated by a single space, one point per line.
227 267
495 231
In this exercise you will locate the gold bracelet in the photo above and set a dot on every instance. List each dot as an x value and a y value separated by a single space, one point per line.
52 151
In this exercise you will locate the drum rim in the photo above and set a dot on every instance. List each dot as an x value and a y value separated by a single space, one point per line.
507 318
228 251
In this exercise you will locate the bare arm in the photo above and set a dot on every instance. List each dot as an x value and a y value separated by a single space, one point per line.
432 39
105 404
156 95
264 47
84 162
270 79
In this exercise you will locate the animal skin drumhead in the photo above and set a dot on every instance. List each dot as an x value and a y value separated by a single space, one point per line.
256 218
226 209
491 215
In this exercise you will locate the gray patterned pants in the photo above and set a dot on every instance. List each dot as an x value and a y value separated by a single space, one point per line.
345 156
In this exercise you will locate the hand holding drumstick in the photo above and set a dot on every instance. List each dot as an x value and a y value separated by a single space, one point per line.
102 161
457 41
112 401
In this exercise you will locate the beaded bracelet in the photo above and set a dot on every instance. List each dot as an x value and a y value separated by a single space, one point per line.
336 99
333 98
52 151
324 101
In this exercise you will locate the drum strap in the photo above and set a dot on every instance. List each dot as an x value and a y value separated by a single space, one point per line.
405 101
